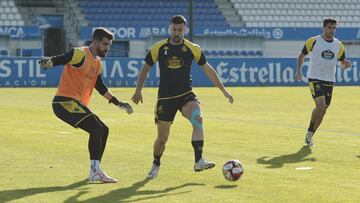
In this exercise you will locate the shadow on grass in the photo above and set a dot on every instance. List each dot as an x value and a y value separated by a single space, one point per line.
358 156
124 194
279 161
16 194
225 186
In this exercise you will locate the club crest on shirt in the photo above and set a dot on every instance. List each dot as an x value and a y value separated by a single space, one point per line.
184 49
327 55
174 62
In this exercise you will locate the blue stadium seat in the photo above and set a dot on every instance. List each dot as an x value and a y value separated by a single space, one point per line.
259 53
244 53
236 53
213 53
251 53
206 52
4 52
228 53
221 53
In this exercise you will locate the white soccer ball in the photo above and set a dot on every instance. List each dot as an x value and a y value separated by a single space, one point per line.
233 170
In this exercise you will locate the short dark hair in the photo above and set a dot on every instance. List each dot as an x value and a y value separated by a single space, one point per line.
101 32
178 19
330 20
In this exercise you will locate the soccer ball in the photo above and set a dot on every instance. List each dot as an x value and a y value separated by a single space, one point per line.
232 170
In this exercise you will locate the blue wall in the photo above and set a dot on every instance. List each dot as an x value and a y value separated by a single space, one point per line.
123 72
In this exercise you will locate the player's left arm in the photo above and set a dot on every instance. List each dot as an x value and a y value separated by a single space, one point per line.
214 78
210 72
345 63
105 92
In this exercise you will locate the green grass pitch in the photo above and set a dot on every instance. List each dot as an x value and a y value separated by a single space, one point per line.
43 159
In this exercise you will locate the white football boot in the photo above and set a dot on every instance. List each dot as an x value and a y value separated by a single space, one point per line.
309 139
100 177
203 164
153 171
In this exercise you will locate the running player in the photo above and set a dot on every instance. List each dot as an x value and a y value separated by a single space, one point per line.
325 50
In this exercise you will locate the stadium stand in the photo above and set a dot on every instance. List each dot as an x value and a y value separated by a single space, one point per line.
293 13
36 3
9 14
149 13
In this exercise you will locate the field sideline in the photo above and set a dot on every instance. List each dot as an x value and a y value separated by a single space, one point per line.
45 160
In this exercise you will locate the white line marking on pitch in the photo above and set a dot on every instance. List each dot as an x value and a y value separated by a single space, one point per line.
304 168
63 132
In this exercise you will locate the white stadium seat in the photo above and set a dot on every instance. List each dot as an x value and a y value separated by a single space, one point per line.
11 3
21 23
7 23
11 16
13 23
14 10
294 13
17 16
3 16
4 3
7 10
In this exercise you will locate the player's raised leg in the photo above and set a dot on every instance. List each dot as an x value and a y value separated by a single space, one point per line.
192 112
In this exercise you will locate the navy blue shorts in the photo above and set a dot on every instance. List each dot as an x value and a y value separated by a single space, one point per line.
321 88
165 109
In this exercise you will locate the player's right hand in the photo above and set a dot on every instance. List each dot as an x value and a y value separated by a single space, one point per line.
298 76
126 107
137 97
345 64
46 63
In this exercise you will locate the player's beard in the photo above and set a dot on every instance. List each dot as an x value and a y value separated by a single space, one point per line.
177 39
330 35
101 53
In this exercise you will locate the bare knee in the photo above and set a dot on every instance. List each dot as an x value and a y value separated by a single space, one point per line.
162 139
321 109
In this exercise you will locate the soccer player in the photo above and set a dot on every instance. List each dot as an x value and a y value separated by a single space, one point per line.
175 56
325 50
81 74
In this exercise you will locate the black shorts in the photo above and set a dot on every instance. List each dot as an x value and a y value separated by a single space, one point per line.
70 110
321 88
165 109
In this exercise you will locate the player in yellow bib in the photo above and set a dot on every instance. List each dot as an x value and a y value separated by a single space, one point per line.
325 51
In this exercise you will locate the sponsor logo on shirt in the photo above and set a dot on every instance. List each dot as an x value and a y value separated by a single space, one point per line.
174 62
327 55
